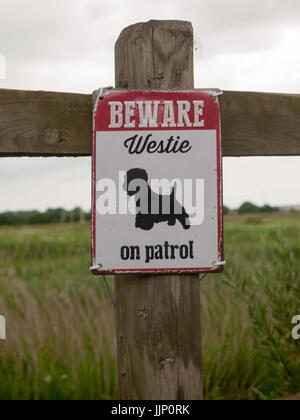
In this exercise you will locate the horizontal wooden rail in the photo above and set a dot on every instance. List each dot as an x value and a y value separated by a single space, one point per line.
45 123
260 124
60 124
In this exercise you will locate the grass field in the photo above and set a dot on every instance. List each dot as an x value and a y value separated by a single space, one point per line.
60 326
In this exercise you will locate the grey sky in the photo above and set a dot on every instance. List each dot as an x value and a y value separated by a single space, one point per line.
67 45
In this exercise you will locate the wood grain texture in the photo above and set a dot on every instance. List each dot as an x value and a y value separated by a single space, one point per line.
45 123
159 337
155 55
158 317
260 124
60 124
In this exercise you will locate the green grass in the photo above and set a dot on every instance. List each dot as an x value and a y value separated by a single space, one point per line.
248 349
60 326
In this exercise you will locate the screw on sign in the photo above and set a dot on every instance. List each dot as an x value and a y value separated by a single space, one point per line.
157 182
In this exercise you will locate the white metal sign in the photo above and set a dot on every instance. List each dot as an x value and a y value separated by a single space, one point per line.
157 182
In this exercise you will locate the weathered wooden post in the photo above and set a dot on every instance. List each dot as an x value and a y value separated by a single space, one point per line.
158 317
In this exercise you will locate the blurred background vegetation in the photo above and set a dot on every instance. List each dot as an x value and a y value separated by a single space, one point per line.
35 217
61 328
62 216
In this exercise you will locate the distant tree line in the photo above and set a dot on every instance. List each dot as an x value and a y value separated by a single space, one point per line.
35 217
250 208
76 215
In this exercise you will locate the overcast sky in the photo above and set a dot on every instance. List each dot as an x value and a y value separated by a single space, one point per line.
67 45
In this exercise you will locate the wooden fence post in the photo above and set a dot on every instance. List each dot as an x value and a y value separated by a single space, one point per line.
158 317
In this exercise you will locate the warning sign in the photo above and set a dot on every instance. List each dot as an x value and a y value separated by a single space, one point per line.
157 182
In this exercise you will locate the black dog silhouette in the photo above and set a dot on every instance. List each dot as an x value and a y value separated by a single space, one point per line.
167 208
